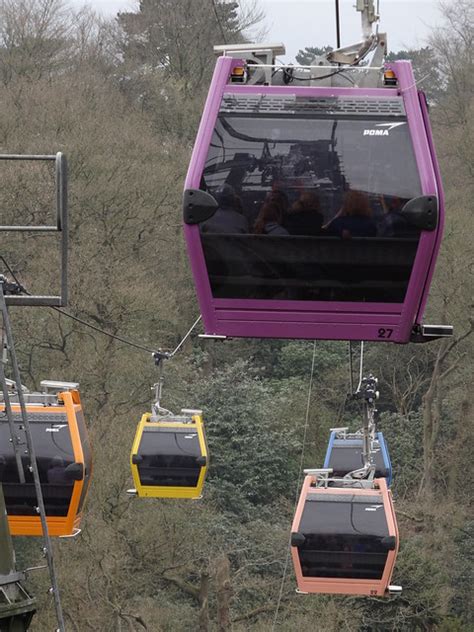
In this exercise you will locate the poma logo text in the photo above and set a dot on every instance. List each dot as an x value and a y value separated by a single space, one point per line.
376 132
382 132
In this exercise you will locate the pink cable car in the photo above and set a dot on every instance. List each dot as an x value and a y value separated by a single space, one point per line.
344 536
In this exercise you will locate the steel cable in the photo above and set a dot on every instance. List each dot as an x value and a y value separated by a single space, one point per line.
305 434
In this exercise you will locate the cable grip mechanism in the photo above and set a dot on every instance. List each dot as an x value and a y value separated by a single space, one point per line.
156 408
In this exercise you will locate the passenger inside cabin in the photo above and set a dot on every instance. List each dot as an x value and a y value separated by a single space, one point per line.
57 471
271 215
354 219
304 217
393 223
228 218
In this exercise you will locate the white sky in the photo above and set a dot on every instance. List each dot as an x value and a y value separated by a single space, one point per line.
300 23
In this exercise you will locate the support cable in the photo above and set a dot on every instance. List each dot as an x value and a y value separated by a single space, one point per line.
351 378
33 467
221 28
361 366
185 337
159 357
305 433
125 341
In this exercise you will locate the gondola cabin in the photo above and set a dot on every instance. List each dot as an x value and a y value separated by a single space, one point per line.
344 540
344 455
169 456
313 204
64 460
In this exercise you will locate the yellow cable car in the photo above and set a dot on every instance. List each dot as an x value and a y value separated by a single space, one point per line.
64 460
169 456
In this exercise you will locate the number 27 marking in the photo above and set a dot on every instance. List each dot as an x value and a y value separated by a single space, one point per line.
385 332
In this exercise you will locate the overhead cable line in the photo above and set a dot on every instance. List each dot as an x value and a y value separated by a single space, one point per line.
305 434
216 13
99 330
136 345
186 336
103 332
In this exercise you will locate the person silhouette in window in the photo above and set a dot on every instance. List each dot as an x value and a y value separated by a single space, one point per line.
57 471
354 219
270 217
304 217
228 218
393 223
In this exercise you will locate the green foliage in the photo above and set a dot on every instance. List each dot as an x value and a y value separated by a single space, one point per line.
403 435
124 107
295 359
462 578
174 38
426 69
253 447
421 605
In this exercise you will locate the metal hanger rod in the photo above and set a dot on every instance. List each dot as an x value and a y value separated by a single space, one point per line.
33 462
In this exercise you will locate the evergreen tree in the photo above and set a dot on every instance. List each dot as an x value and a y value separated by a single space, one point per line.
305 56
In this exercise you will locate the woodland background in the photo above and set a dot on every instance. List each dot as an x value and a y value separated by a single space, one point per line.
122 99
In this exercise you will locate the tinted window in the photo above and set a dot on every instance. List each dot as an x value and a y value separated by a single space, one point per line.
53 447
169 457
343 537
303 246
346 456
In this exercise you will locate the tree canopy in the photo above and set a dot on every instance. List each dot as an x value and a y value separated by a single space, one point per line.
123 98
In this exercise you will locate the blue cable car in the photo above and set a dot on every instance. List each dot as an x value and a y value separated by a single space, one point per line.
345 454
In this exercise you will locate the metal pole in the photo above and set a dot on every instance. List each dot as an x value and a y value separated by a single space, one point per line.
33 463
366 452
62 221
338 26
17 607
15 440
7 558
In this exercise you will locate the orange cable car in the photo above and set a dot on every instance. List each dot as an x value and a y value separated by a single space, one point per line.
63 456
344 537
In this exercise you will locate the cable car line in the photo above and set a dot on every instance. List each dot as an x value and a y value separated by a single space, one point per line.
305 433
221 28
351 378
186 336
125 341
361 366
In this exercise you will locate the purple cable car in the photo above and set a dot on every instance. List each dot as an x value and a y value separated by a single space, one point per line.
314 211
